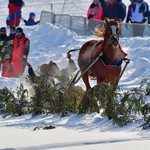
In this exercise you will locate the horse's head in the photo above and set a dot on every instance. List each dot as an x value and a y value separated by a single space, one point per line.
53 68
111 31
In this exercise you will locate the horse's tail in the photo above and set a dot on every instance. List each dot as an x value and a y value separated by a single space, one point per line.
72 50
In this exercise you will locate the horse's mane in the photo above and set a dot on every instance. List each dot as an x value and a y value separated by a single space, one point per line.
100 31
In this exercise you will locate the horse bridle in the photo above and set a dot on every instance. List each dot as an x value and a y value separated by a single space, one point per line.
114 33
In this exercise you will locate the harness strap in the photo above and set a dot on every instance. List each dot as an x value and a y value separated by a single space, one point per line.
127 61
109 64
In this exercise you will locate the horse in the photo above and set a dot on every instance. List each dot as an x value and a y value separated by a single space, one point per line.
50 69
107 53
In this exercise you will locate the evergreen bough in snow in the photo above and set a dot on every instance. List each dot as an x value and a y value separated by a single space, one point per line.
51 96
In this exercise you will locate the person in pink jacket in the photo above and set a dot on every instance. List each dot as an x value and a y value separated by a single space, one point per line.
95 10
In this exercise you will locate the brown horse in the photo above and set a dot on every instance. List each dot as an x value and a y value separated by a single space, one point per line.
50 69
107 53
53 70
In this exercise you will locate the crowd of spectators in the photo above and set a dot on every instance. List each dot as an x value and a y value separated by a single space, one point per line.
14 50
137 11
14 47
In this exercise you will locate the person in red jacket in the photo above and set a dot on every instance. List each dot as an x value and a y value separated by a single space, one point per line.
14 7
19 56
95 10
20 52
94 15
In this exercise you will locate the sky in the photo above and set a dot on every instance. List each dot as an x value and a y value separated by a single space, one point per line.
74 132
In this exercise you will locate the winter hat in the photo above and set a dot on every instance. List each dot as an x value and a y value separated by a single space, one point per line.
32 14
3 29
19 29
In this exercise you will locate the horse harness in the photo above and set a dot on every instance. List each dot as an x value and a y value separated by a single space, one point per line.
108 63
111 64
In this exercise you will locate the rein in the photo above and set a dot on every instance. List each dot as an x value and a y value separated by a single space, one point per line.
75 79
87 67
109 64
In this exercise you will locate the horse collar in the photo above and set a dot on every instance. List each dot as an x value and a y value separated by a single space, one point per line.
106 61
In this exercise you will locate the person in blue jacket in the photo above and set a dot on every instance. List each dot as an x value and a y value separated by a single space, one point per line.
31 21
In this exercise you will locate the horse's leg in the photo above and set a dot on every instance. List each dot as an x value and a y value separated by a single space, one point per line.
85 79
115 83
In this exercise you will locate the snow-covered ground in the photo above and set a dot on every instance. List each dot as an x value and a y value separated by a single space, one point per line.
74 132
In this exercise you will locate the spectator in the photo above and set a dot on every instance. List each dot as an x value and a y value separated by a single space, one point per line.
95 10
20 53
103 3
31 21
2 43
5 51
14 7
139 15
128 19
2 53
114 10
120 1
12 34
3 35
139 12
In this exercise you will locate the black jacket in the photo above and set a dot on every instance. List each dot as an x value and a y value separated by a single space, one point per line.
117 11
16 2
11 1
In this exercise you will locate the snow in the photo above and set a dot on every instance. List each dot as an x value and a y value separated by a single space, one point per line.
74 132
